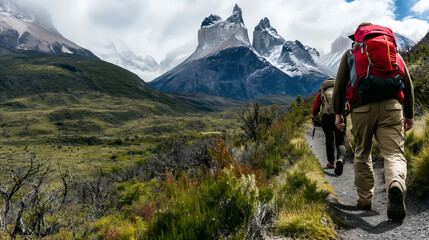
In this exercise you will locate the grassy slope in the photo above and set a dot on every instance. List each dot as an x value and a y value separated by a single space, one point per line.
87 112
28 75
84 129
417 142
417 60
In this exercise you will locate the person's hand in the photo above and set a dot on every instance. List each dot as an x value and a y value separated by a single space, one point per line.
408 123
339 122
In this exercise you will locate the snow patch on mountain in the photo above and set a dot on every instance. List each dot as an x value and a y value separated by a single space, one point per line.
29 36
147 68
28 28
292 57
120 54
403 42
28 12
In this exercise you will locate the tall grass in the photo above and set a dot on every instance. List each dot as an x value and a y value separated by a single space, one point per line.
417 154
301 198
216 207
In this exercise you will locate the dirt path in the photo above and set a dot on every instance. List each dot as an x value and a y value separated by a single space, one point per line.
372 224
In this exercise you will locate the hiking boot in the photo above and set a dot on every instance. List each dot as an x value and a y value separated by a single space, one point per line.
330 165
396 204
362 205
339 167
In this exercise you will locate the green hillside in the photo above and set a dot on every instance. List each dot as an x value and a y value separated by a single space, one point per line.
417 59
29 75
94 109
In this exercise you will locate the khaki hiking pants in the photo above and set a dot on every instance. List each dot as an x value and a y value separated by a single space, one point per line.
384 121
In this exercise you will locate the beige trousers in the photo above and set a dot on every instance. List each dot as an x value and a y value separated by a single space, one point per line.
384 121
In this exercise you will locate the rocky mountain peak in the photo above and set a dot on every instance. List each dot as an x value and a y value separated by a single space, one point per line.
216 35
26 27
210 20
263 24
28 12
265 37
236 16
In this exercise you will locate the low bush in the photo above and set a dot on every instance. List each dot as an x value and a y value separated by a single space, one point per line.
118 227
308 222
219 206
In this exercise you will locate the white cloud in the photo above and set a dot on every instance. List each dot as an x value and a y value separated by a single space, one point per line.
421 7
155 27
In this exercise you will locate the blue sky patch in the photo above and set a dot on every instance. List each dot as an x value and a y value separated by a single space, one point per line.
403 10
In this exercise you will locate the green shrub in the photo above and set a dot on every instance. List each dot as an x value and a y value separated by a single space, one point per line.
413 143
273 161
419 182
114 227
255 120
308 222
302 209
131 191
417 154
298 190
218 206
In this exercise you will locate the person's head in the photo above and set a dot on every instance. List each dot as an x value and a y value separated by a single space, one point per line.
364 24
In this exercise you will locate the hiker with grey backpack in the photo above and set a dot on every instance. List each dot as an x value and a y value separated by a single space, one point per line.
381 97
323 103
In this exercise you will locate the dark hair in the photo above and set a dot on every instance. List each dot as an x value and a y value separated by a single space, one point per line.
364 24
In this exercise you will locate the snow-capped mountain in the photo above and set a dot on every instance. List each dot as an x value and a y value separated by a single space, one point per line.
28 28
403 42
120 54
266 39
225 64
338 47
27 12
343 42
292 57
147 68
216 35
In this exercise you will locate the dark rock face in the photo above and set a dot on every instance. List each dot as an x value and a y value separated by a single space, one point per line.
236 16
210 20
236 73
265 37
8 38
299 51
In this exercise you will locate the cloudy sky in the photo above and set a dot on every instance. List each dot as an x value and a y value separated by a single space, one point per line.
155 27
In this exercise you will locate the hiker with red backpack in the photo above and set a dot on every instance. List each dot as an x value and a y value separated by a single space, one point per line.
323 103
380 91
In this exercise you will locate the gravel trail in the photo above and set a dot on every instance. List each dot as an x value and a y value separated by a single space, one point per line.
372 224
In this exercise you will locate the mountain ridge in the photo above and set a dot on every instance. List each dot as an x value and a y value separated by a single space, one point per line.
226 64
29 29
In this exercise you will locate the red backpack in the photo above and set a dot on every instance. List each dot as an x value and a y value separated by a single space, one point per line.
376 68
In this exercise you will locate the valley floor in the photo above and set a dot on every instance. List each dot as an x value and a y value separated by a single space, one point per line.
373 224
